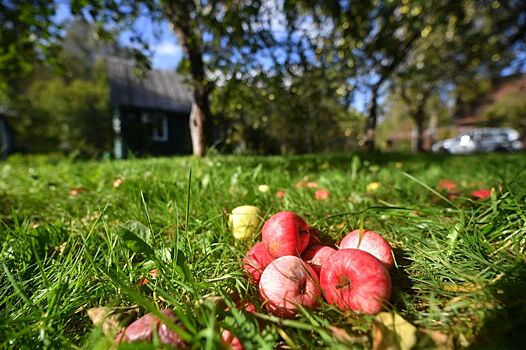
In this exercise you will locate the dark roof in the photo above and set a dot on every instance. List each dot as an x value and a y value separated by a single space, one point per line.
158 89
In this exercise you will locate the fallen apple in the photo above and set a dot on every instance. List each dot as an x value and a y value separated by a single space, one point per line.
353 279
143 328
231 341
285 233
370 242
256 261
244 221
286 283
316 256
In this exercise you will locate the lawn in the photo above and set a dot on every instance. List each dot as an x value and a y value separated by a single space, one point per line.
79 235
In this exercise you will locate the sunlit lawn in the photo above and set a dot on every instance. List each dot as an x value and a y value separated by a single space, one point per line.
461 267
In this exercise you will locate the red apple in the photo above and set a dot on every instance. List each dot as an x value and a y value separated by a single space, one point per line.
316 256
286 283
370 242
256 261
231 341
143 328
353 279
285 233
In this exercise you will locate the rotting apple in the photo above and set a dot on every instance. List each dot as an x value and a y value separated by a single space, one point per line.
353 279
143 328
256 261
370 242
285 233
244 221
286 283
316 256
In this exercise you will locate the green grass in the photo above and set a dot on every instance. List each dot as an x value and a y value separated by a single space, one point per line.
461 266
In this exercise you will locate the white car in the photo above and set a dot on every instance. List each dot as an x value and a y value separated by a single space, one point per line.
481 140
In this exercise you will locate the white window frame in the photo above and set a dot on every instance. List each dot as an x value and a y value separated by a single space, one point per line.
157 136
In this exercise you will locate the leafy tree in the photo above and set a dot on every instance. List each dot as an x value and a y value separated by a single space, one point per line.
273 114
477 42
510 110
27 35
71 114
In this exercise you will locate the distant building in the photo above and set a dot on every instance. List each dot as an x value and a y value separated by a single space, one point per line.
151 112
470 117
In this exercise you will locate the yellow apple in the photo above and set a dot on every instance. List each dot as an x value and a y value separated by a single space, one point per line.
244 221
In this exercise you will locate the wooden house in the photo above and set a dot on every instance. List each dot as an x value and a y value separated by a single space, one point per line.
151 110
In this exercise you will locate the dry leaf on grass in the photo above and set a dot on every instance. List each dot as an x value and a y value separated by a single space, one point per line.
392 332
112 320
76 191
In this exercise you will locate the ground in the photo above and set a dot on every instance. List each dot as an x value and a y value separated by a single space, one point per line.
79 234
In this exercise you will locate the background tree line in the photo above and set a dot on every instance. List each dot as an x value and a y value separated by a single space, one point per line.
284 74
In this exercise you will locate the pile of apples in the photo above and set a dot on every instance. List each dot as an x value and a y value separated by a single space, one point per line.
292 268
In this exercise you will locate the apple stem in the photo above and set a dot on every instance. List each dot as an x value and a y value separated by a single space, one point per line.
345 283
303 287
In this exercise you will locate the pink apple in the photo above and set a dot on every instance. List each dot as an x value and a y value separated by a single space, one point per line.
370 242
316 256
256 261
143 328
285 233
353 279
286 283
232 342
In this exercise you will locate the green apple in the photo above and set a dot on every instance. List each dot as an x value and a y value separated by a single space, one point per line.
244 221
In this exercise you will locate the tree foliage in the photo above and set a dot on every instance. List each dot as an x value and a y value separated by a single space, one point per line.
287 115
72 116
510 110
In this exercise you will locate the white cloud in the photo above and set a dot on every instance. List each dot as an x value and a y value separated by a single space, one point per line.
167 48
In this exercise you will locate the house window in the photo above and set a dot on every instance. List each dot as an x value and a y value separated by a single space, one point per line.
157 123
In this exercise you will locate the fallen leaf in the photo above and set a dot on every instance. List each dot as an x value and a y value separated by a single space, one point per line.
153 273
343 336
322 194
373 187
281 194
111 319
118 182
76 191
301 184
263 188
392 332
435 340
481 194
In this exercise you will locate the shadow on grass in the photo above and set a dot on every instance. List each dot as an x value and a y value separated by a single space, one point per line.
402 284
504 329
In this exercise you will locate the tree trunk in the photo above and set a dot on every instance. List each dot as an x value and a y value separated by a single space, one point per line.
200 116
420 136
372 117
418 117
